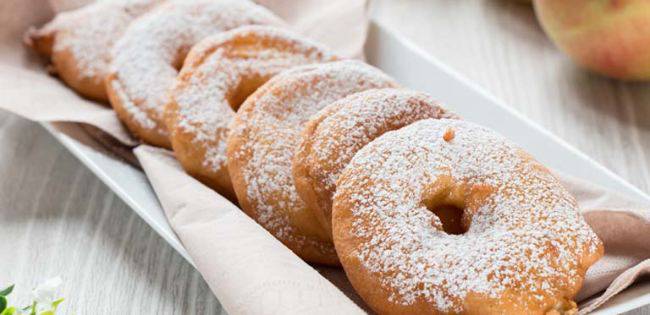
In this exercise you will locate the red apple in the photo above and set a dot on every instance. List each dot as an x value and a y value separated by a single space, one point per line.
611 37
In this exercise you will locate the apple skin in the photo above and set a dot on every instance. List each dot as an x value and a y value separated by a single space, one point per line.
611 37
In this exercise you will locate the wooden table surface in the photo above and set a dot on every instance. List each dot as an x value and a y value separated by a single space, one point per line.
56 218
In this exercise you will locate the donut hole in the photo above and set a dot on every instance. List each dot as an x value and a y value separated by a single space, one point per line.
245 87
451 218
446 200
179 57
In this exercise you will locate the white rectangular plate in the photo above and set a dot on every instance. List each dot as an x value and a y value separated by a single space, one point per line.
414 69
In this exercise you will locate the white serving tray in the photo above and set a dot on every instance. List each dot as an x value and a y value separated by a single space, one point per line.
414 69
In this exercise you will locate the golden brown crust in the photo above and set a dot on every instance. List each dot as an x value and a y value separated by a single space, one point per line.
219 74
239 154
332 137
67 68
77 43
40 40
65 65
525 249
156 136
146 59
262 140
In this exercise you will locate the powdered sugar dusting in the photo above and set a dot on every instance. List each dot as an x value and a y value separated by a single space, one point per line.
526 235
143 59
210 75
136 112
89 32
272 119
349 124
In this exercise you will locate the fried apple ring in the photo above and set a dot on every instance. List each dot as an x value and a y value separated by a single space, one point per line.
262 140
146 60
522 247
78 42
332 137
218 75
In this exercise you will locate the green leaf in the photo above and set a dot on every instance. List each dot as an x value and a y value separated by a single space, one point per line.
7 290
56 303
47 313
3 303
9 311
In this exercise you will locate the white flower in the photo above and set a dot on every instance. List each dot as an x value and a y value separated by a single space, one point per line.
45 294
